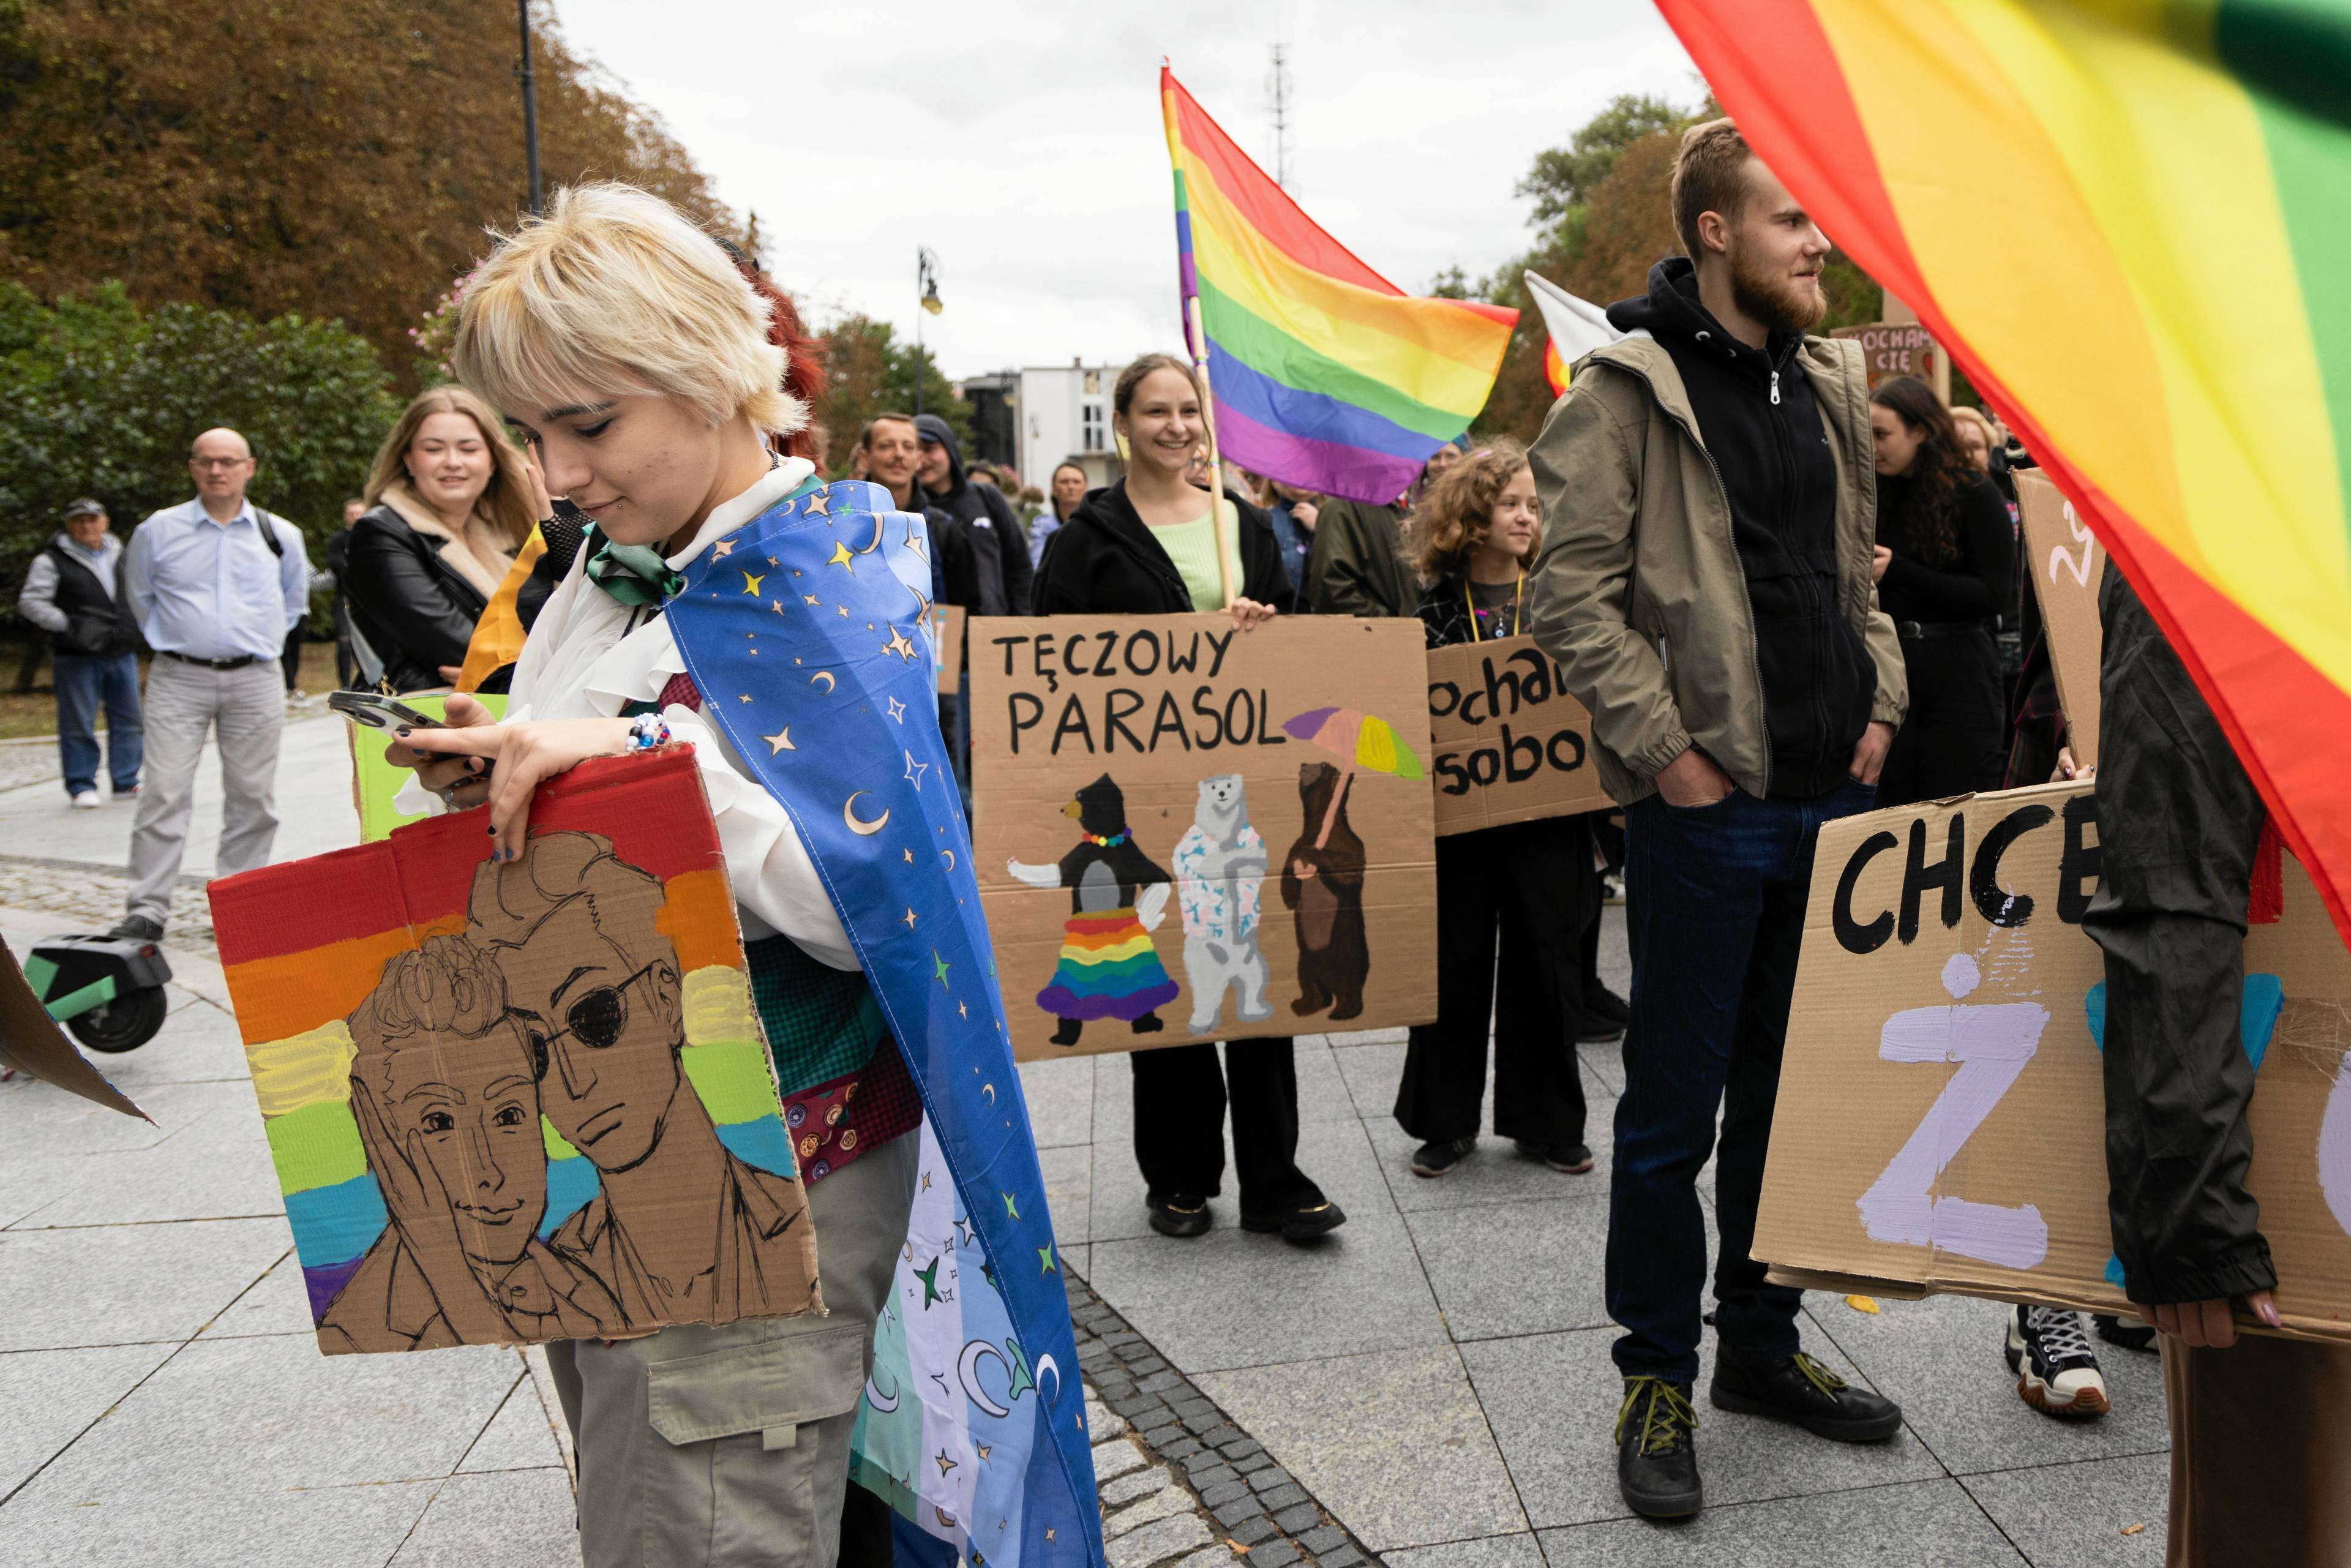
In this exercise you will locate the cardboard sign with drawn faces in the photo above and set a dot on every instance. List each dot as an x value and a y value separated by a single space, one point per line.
509 1103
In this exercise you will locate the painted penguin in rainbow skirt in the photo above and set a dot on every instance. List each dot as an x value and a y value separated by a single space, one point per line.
1108 967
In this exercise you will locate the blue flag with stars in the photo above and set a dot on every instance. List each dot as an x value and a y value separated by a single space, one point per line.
806 633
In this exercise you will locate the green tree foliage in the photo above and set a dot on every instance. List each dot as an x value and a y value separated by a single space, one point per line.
874 372
273 158
100 398
1563 178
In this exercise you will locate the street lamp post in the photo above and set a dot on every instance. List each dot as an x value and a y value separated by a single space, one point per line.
927 284
529 112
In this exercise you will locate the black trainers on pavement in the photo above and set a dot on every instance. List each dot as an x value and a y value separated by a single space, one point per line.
1799 1389
1300 1222
2131 1335
1180 1216
1606 1014
137 929
1436 1158
1657 1449
2056 1372
1573 1158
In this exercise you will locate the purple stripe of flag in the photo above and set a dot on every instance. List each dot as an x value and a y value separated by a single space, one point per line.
1326 467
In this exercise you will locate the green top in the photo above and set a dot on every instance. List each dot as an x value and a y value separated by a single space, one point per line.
1193 548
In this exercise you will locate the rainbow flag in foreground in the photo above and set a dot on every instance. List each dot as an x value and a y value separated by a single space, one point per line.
2126 220
1325 375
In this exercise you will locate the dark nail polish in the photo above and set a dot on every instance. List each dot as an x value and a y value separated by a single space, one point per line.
402 733
492 831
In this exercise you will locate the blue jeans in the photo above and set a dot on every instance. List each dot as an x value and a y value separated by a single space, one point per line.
1715 917
83 682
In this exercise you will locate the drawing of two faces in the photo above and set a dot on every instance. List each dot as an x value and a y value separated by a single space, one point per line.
562 998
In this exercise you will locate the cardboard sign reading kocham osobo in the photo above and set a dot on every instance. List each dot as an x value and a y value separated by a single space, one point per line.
1510 745
1939 1123
530 1101
2066 564
1187 831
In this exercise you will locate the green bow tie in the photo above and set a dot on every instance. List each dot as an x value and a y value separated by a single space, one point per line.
636 575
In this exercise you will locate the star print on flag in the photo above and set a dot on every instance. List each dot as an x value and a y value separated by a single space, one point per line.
971 1355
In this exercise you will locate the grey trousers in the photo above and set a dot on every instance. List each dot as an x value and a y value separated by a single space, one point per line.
728 1446
248 708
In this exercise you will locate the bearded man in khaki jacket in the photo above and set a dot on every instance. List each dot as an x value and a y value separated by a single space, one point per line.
1710 507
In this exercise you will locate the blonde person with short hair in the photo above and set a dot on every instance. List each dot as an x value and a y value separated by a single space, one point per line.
631 356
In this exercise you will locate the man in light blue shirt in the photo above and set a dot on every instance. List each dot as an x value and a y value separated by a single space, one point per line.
217 584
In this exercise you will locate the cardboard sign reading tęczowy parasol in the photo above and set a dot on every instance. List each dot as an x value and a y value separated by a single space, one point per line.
1187 832
2066 564
1939 1124
509 1103
1510 745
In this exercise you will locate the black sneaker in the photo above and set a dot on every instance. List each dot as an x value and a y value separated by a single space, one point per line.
1574 1159
1299 1222
137 929
1179 1215
2056 1372
1799 1389
1657 1449
1606 1014
1437 1157
2131 1335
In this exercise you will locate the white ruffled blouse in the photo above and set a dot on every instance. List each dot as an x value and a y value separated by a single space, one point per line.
589 657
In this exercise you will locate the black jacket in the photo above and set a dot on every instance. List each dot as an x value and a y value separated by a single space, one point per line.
415 612
1104 561
985 555
97 623
1977 588
2177 825
1757 416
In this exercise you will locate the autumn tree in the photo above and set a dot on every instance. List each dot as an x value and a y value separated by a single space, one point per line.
266 157
871 371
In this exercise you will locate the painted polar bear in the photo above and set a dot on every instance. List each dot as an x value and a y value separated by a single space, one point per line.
1219 865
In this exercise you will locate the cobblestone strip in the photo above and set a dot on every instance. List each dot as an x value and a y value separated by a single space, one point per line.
1180 1483
96 894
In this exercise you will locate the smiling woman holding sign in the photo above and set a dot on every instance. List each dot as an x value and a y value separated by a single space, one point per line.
1152 544
1473 537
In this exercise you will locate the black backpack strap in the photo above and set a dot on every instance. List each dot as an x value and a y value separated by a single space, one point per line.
268 527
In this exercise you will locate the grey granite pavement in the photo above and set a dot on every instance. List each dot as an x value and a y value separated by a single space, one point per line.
1432 1385
1437 1376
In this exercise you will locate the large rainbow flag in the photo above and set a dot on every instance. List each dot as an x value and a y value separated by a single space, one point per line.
2126 221
1325 375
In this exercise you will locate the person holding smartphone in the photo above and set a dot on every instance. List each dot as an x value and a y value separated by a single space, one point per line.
636 360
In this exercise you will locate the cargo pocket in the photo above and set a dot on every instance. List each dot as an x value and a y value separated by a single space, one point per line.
752 1443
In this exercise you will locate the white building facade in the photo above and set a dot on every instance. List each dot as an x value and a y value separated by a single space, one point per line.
1064 414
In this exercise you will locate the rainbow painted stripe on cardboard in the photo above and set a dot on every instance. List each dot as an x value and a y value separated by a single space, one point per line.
1325 374
2137 260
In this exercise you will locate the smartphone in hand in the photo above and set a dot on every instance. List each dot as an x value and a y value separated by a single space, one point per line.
379 711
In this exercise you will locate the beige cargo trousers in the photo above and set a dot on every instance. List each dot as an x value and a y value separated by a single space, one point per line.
727 1446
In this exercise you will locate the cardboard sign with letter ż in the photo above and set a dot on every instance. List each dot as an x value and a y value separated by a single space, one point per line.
1939 1124
2067 564
1510 745
1189 832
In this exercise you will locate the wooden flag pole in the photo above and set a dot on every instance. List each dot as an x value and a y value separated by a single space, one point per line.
1228 572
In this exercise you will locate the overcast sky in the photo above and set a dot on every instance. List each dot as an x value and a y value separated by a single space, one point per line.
1023 143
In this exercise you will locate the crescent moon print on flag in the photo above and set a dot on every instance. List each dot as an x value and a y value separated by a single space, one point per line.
968 1366
826 677
849 815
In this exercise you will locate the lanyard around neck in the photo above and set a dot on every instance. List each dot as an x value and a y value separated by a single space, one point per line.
1518 601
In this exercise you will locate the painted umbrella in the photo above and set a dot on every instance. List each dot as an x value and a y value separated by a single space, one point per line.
1359 739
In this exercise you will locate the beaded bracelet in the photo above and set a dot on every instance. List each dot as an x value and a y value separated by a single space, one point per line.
648 730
